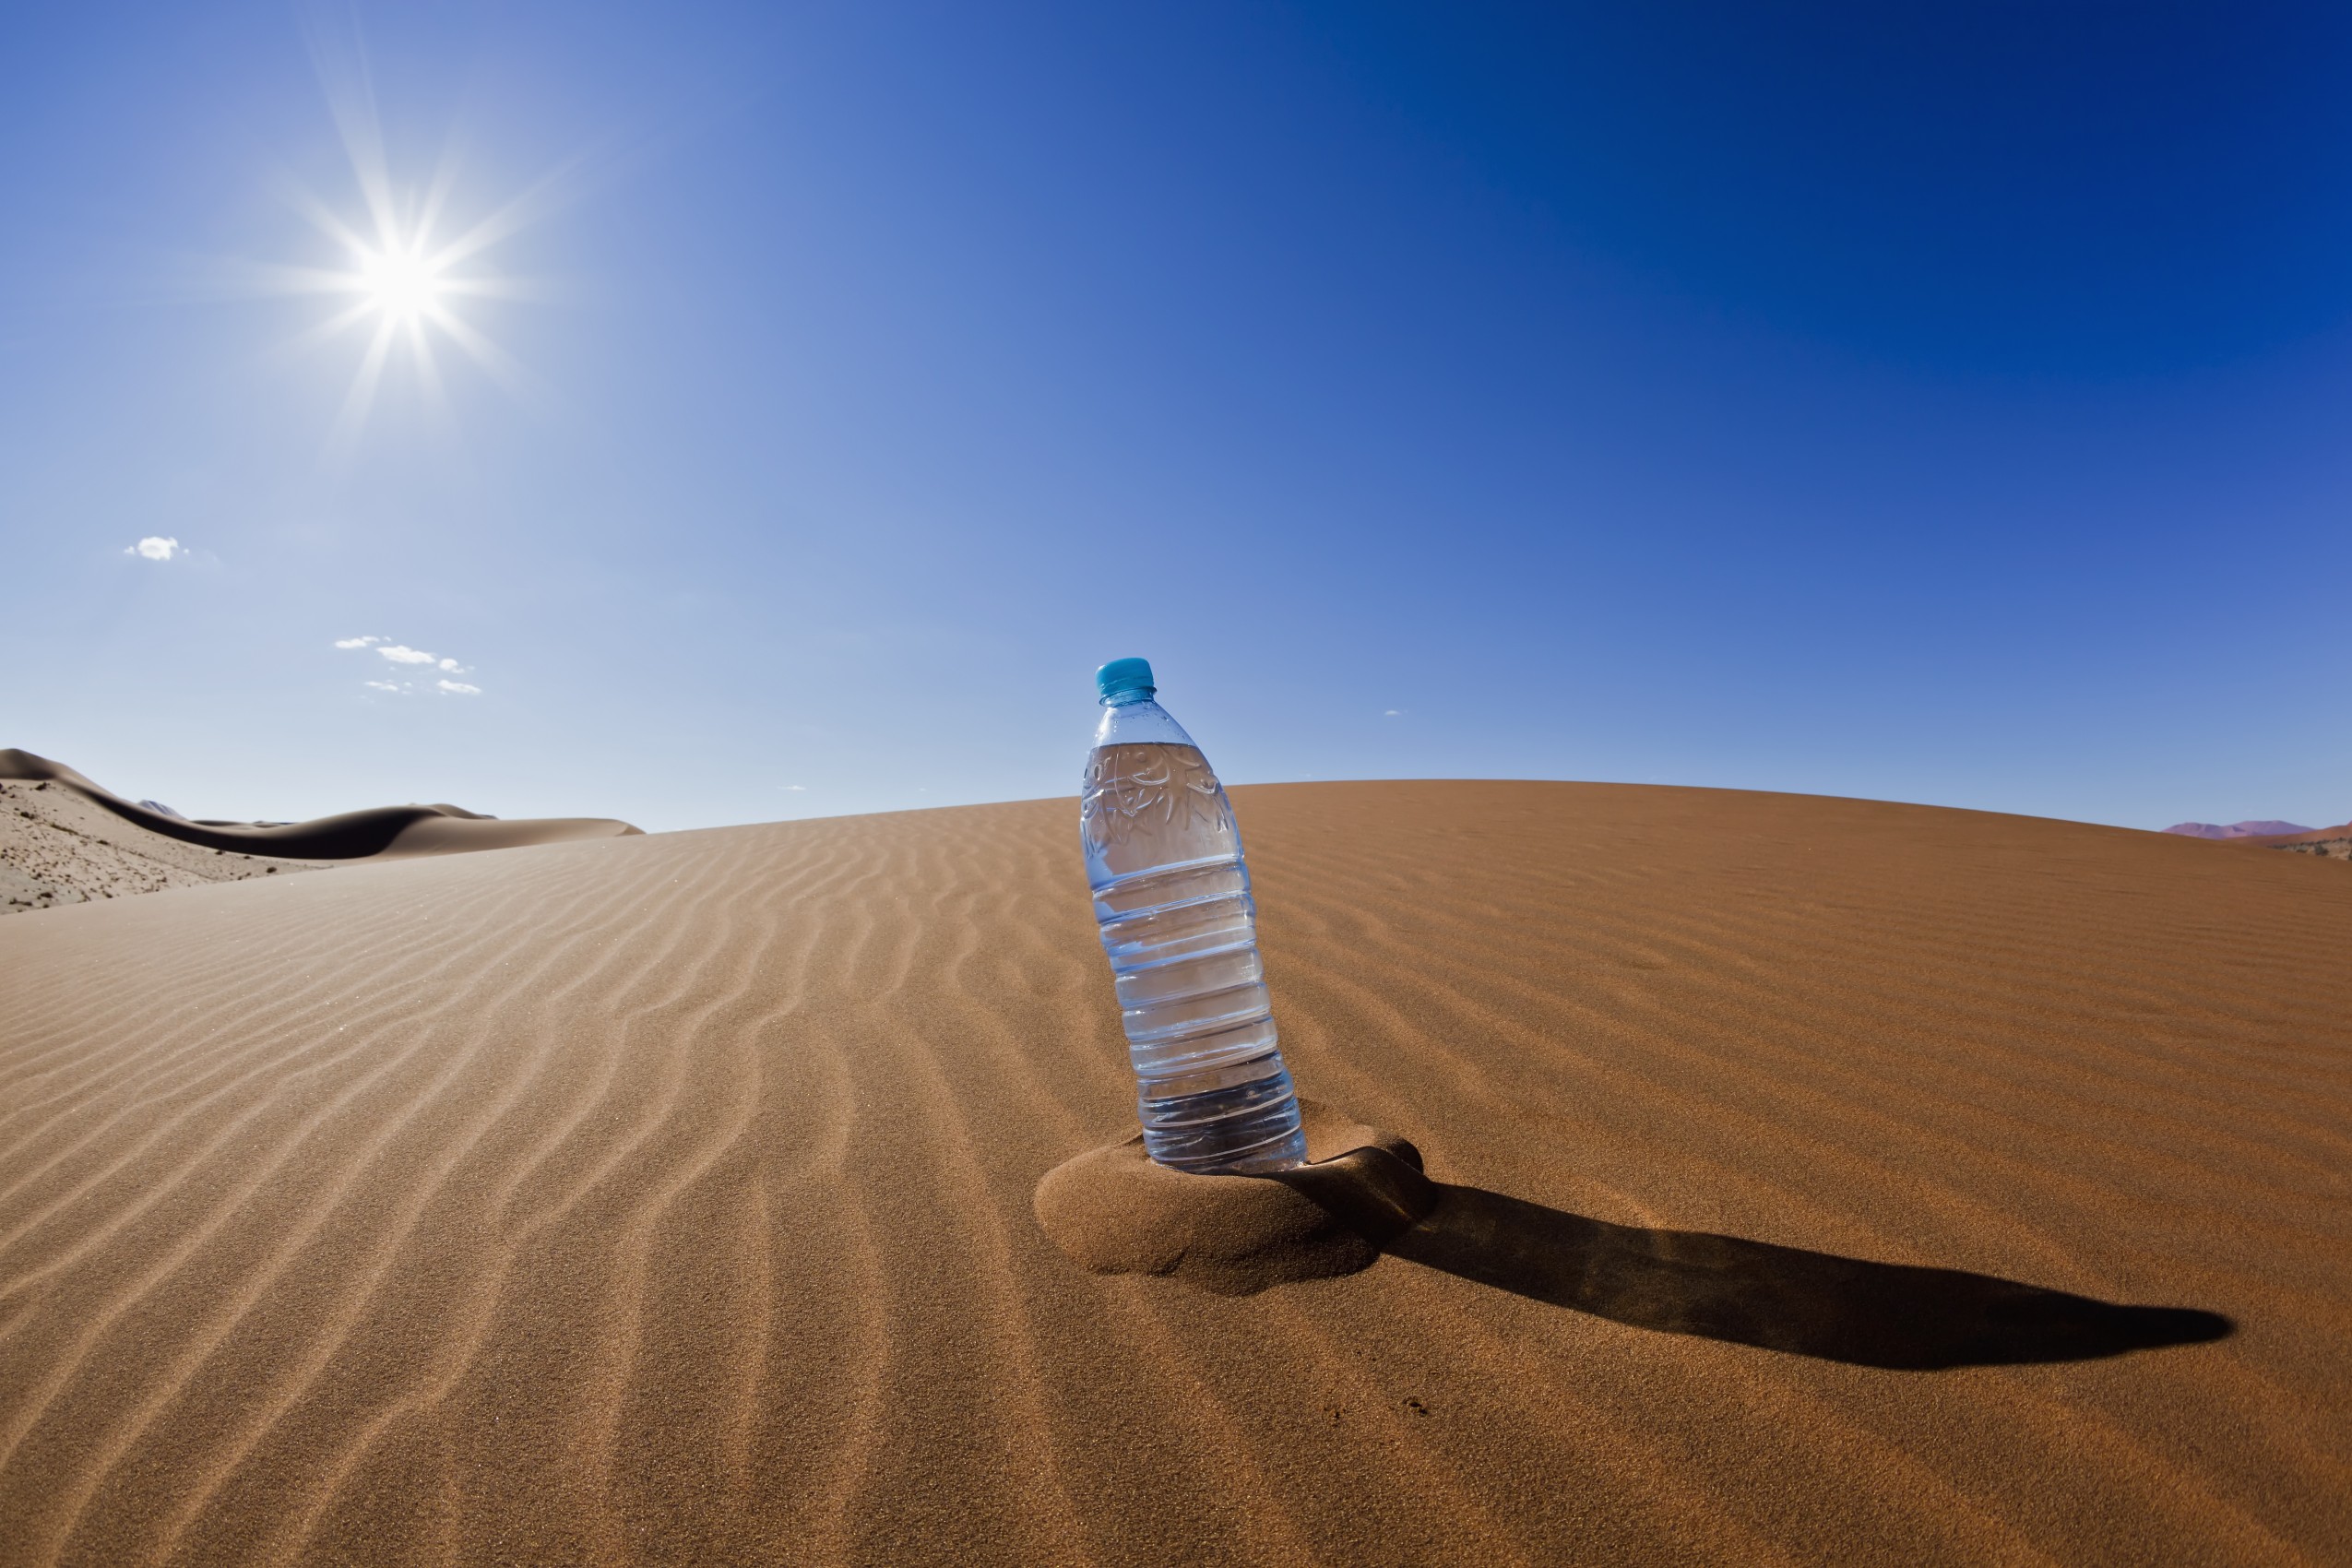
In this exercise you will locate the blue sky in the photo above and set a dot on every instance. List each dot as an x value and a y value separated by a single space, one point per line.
1930 403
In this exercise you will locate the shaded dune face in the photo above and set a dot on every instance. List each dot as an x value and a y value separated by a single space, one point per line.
668 1200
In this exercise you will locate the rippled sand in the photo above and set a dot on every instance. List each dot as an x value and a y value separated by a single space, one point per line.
667 1199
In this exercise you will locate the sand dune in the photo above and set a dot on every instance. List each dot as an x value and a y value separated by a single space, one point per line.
64 839
668 1200
59 847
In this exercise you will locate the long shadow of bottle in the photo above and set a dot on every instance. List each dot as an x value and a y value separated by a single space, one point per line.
1807 1303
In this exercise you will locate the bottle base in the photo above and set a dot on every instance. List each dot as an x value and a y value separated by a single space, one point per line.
1248 1128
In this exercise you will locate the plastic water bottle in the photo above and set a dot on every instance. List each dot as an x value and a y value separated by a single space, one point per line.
1171 897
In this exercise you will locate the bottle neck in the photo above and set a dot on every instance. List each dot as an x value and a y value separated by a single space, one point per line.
1138 723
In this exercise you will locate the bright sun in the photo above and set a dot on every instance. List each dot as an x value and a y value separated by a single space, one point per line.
408 279
400 283
405 287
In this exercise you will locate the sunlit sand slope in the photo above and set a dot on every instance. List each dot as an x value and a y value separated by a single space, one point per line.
667 1199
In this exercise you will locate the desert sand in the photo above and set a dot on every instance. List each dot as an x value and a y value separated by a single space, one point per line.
64 839
1832 1181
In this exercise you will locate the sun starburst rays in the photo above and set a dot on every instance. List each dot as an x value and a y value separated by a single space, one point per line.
404 292
397 285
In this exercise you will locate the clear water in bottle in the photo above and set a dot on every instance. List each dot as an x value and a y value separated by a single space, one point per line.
1171 898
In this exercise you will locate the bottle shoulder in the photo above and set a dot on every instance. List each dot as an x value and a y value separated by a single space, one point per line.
1139 723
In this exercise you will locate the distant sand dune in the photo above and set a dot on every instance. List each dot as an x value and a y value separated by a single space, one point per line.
389 832
668 1200
59 847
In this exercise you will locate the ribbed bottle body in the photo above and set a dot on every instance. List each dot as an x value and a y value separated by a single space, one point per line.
1172 900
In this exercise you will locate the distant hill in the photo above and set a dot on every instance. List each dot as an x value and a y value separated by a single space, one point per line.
2328 843
2237 829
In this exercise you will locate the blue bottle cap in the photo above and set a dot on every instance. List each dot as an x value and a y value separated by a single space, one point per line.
1122 676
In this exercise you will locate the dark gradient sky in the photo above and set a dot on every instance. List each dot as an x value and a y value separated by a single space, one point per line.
1937 403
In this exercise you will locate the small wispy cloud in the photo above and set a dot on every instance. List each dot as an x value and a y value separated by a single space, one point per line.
425 664
155 547
1392 713
798 789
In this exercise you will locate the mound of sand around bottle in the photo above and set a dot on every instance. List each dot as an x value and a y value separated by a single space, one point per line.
1113 1210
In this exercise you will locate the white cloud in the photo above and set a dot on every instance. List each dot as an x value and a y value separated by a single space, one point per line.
426 664
1392 713
798 789
155 548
